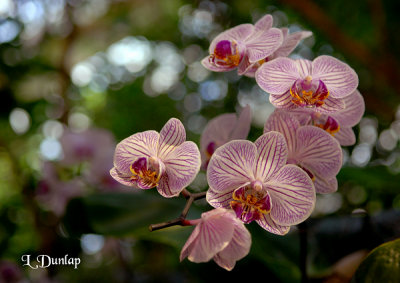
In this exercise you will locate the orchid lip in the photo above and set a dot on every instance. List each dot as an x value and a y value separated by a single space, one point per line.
146 172
250 203
226 54
330 125
309 93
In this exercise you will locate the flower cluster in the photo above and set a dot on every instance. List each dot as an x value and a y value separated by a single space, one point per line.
273 180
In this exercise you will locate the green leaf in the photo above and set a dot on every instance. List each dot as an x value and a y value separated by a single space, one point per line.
381 265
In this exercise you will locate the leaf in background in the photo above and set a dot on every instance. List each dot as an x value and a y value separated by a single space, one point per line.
381 265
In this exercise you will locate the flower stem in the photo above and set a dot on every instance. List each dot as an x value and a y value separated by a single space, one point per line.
181 220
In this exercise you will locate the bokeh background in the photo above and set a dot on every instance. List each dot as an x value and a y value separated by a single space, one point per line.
78 76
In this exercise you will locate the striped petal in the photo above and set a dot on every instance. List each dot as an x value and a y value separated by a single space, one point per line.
181 167
290 41
292 194
239 34
283 101
263 43
272 155
286 124
238 247
210 236
318 151
339 78
220 199
323 186
353 110
231 166
345 136
304 67
206 63
331 105
142 144
277 76
265 23
172 135
124 179
268 224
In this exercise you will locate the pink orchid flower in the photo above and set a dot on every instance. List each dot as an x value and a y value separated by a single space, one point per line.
218 235
163 160
289 43
221 129
339 124
255 181
311 148
320 84
254 43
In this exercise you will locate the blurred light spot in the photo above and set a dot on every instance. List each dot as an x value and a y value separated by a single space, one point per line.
52 129
196 124
89 11
361 154
368 131
192 53
99 83
395 126
6 8
30 11
388 139
328 203
78 122
8 31
356 195
166 54
51 149
82 73
178 91
163 78
213 90
195 23
20 121
345 156
91 243
196 72
192 102
132 53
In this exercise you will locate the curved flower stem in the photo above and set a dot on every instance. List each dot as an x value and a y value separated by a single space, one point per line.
181 220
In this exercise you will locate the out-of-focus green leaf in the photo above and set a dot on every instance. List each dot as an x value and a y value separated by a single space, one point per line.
128 214
381 265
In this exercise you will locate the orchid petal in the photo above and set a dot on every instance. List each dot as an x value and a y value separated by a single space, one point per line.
292 195
353 110
231 166
210 236
304 67
340 79
265 23
124 179
290 42
283 101
318 151
217 199
171 135
142 144
206 64
277 76
268 224
286 124
331 105
181 167
238 248
239 34
263 43
323 186
242 127
346 136
272 154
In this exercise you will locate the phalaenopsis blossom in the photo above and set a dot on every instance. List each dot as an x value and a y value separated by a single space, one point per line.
311 148
253 42
320 84
164 160
255 181
218 235
221 129
339 124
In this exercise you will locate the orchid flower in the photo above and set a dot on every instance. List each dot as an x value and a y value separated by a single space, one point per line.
221 129
311 148
254 180
218 235
320 84
290 41
163 160
229 48
339 124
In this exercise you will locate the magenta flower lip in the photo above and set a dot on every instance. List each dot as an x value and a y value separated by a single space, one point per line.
163 160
